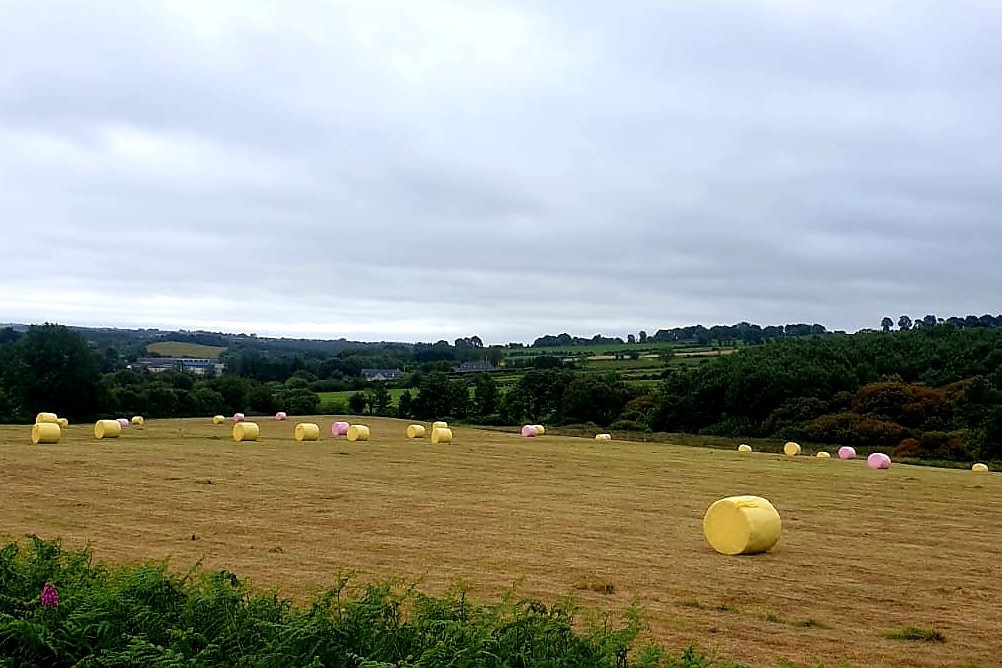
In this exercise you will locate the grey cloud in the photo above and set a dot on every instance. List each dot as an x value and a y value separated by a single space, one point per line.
433 169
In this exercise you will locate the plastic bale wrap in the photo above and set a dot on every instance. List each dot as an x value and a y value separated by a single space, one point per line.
107 429
540 430
441 435
246 431
603 437
846 452
742 525
440 425
63 423
358 432
878 460
339 429
218 419
307 431
823 455
415 431
744 447
529 431
980 468
281 415
124 422
47 433
791 449
138 421
43 418
238 417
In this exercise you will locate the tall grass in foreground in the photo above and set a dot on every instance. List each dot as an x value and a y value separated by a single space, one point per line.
93 615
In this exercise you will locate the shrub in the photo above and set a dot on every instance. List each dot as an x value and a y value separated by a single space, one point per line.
627 425
144 615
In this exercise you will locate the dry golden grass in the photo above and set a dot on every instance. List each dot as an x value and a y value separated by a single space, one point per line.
862 551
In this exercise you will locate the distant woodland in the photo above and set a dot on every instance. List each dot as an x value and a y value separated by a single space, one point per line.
927 388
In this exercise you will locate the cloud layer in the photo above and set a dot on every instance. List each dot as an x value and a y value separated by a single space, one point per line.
424 170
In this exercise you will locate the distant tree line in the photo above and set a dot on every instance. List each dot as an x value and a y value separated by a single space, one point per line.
931 391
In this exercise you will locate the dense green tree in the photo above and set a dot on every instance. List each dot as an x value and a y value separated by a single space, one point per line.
378 399
485 396
404 405
537 395
594 398
52 368
356 403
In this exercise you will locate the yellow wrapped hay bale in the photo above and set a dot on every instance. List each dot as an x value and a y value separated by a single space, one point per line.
744 447
307 431
63 423
980 468
415 431
791 449
107 429
742 525
441 435
45 433
246 431
358 432
218 419
440 425
138 421
824 455
540 430
43 418
603 437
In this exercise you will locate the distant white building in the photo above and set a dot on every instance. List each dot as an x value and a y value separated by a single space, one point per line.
382 374
197 366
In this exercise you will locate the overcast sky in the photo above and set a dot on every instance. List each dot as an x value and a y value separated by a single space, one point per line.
416 170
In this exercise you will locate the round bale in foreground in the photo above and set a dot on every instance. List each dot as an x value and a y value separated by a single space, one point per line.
540 430
281 415
823 455
246 431
744 447
307 431
45 433
415 431
742 525
441 435
980 468
107 429
878 460
846 452
358 432
43 418
138 421
339 429
63 423
218 419
791 449
529 431
603 437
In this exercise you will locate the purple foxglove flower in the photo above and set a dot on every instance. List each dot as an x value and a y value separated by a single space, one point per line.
50 597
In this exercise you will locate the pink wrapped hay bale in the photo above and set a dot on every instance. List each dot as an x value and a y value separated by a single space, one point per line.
238 417
339 429
878 460
280 415
124 422
529 431
845 452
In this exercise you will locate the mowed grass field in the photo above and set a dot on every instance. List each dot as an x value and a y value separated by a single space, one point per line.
862 551
180 349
